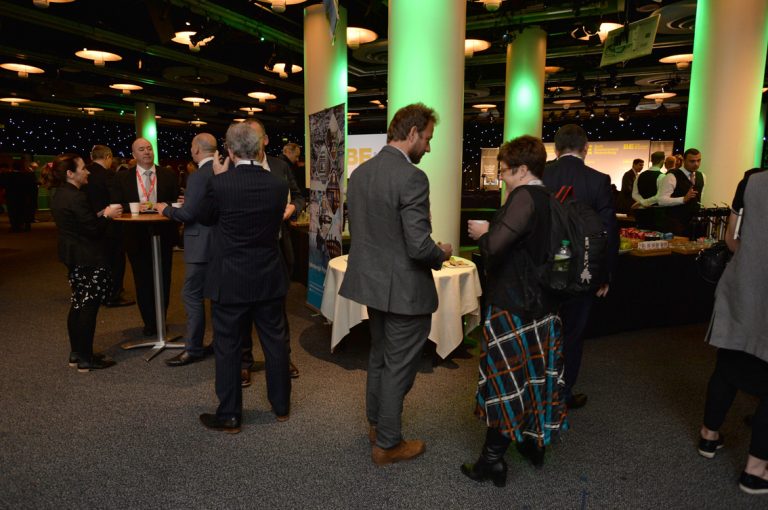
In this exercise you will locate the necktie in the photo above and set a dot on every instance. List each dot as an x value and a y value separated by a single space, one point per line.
148 183
693 178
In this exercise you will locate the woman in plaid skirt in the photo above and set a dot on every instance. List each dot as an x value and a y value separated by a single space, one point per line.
521 364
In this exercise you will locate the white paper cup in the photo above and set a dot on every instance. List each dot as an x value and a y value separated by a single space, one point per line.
176 204
134 207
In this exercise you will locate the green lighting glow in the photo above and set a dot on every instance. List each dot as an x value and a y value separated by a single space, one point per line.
146 125
525 84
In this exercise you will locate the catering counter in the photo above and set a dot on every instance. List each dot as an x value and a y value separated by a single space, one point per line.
649 292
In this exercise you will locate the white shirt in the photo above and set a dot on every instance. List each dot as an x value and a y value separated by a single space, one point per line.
668 187
141 187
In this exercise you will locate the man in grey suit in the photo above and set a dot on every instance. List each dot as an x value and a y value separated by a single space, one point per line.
294 204
196 249
389 271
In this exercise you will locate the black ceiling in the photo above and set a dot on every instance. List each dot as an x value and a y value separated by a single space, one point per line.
232 65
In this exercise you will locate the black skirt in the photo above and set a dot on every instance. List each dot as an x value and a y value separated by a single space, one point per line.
89 284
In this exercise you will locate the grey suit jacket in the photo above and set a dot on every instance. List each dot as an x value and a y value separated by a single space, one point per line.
196 236
392 253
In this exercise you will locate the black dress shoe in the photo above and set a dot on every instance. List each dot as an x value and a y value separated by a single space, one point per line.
480 471
577 401
185 358
94 364
75 358
213 422
120 301
292 370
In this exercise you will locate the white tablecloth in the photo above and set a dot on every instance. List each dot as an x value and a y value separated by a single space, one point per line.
458 290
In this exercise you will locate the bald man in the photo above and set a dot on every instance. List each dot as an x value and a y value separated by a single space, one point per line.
148 185
196 248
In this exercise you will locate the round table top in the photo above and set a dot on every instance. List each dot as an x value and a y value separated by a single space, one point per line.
142 218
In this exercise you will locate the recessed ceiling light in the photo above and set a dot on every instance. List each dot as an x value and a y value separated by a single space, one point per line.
23 70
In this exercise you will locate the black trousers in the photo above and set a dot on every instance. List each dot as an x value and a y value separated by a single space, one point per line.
143 279
738 371
574 314
229 322
81 326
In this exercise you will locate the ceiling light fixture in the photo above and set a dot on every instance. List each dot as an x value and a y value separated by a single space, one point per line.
13 100
602 33
196 101
263 97
552 69
198 123
125 88
659 97
484 107
279 68
491 5
238 120
471 46
560 88
350 88
566 102
22 69
185 37
98 57
357 36
90 110
250 109
278 6
682 61
43 4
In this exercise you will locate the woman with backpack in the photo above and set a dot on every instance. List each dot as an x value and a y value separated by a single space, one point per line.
521 364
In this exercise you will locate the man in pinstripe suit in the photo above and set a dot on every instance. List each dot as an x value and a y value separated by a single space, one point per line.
247 280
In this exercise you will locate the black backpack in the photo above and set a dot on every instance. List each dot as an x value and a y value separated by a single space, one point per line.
578 223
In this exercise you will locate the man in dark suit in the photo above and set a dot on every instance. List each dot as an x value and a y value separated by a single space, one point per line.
626 201
295 204
594 189
100 182
389 271
246 280
148 185
196 248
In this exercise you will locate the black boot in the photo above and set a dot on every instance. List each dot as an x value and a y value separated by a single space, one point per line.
531 451
490 465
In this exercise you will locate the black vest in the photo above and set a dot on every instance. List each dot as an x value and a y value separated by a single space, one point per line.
679 216
646 183
684 184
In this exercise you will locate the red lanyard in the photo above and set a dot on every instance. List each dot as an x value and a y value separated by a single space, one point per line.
144 189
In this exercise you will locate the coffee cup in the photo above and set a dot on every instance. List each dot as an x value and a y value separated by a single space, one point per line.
134 207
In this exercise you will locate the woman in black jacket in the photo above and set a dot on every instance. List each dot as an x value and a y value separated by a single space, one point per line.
81 249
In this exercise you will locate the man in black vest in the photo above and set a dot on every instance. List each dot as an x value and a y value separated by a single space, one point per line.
681 193
645 193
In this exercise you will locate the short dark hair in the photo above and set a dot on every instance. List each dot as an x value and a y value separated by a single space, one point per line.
691 151
417 114
570 137
636 161
657 158
58 169
524 150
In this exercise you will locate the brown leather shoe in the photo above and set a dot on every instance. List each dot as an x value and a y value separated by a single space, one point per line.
405 450
245 377
372 434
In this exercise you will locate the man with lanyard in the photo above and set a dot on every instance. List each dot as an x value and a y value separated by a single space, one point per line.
147 185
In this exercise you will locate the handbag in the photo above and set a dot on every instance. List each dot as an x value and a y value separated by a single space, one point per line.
711 261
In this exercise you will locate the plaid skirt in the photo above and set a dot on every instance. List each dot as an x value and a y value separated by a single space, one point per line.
521 377
89 284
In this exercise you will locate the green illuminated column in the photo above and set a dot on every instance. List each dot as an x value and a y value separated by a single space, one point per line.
729 48
524 101
524 92
426 64
325 68
146 125
760 138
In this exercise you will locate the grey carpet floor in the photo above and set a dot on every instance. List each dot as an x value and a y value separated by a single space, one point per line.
129 437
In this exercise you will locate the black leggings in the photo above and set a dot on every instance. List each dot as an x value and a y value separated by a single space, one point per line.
81 324
734 371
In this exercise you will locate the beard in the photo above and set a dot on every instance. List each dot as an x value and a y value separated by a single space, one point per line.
415 156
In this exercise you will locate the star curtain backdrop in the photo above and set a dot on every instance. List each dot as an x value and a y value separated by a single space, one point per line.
326 191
